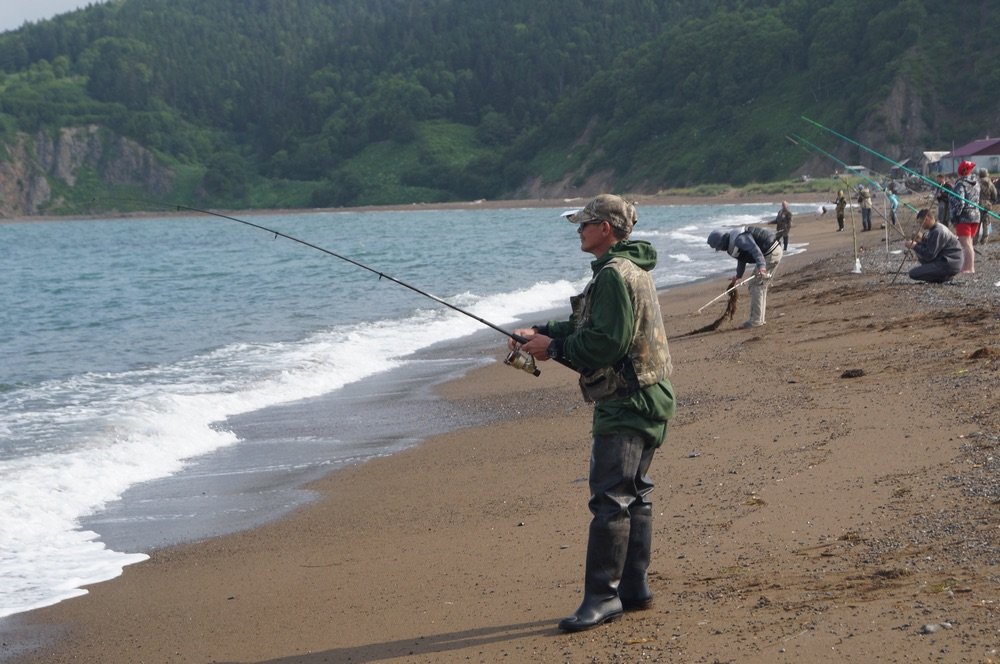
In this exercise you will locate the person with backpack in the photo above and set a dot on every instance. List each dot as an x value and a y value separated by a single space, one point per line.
965 213
751 245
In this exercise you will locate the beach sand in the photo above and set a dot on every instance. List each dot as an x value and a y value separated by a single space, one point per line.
828 492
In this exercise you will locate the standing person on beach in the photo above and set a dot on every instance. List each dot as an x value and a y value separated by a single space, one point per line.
751 245
943 198
865 203
783 224
987 199
937 249
615 338
965 213
893 204
841 204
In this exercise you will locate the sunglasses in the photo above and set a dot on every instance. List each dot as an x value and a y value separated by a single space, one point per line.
591 222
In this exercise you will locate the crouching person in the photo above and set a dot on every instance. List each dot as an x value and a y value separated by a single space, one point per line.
937 249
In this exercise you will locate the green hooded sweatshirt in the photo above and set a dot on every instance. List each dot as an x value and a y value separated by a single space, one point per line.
606 340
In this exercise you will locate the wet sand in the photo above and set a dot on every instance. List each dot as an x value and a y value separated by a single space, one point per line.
828 492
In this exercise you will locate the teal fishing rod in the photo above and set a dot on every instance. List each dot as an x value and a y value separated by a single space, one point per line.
795 138
900 166
854 228
516 358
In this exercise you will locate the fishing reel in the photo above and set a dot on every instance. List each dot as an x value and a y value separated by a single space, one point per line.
518 359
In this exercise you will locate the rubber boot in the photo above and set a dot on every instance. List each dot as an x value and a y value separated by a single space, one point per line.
606 550
634 589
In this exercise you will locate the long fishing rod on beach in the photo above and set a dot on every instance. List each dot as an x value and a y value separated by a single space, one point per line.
516 358
901 167
795 138
854 226
857 261
725 293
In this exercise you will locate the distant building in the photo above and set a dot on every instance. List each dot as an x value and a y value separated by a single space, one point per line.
985 152
930 162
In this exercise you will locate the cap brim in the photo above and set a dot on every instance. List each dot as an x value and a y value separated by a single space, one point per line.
569 214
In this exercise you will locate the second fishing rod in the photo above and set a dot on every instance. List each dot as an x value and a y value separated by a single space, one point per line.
515 358
903 168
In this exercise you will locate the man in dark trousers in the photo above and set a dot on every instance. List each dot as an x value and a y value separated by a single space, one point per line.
616 340
783 224
751 245
937 249
865 203
841 204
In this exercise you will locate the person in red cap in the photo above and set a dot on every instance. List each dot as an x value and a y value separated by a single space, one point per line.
965 213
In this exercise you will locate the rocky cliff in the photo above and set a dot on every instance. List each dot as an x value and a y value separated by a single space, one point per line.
30 165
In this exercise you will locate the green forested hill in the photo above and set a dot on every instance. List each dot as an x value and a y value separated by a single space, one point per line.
335 102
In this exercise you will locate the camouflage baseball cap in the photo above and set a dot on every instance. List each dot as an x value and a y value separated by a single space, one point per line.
607 207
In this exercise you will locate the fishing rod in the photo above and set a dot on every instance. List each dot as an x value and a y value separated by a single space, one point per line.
516 358
857 260
900 166
847 168
857 268
727 292
854 226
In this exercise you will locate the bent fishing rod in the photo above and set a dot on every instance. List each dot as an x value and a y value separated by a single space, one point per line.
516 358
900 166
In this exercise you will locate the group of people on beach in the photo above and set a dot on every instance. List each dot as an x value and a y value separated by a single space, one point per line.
615 339
967 206
945 243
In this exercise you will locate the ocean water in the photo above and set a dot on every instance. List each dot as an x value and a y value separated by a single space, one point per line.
129 348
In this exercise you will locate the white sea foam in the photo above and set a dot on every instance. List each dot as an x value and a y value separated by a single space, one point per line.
132 428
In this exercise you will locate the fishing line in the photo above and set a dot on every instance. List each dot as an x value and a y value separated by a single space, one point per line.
516 358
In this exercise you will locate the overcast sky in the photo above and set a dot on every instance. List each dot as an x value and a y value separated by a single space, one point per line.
13 13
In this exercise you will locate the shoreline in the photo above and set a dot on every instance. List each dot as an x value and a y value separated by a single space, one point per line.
498 204
145 518
784 536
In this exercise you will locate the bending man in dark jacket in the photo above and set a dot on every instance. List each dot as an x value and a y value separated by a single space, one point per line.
751 245
937 249
615 339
